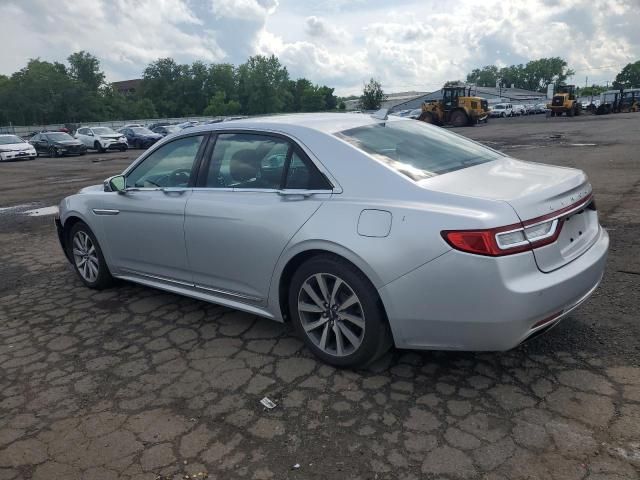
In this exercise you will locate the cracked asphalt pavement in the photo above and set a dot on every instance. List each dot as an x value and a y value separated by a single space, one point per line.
134 383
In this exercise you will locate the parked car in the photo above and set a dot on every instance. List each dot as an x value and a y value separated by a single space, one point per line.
140 137
57 144
501 110
165 130
530 108
360 230
152 126
187 124
13 147
102 139
519 109
541 108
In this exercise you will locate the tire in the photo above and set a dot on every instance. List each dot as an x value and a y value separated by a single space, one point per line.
571 112
368 335
79 243
426 117
459 118
98 147
504 115
123 149
53 153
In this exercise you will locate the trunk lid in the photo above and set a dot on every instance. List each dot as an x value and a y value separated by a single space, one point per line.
533 190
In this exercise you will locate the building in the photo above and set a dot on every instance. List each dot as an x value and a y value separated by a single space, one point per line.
127 87
491 94
390 102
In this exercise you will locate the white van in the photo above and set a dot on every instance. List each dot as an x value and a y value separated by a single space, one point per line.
502 110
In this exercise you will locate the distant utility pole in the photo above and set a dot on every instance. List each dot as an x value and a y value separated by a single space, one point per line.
586 80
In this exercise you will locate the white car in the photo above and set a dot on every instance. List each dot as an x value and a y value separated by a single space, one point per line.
502 110
102 139
13 147
519 109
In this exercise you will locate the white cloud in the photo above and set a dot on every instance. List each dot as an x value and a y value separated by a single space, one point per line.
244 9
408 45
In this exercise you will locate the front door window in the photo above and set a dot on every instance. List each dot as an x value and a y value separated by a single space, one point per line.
170 165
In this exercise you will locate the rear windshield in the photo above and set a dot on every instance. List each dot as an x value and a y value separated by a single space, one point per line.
416 149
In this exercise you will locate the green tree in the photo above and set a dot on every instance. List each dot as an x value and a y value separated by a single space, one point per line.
85 68
372 95
342 106
312 100
591 91
330 100
486 76
219 106
263 85
629 77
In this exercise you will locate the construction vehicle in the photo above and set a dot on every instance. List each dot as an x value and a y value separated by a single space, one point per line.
620 101
457 107
564 101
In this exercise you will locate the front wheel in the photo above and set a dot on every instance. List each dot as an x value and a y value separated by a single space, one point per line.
459 119
337 312
53 152
88 260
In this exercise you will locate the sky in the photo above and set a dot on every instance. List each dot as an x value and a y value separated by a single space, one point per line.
405 44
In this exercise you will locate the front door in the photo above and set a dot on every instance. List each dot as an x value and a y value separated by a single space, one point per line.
144 226
257 192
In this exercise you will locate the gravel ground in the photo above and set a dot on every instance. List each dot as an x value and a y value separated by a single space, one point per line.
134 383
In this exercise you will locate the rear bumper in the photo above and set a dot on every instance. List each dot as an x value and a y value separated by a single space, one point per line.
461 301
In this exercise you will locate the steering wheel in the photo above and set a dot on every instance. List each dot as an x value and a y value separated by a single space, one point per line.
179 177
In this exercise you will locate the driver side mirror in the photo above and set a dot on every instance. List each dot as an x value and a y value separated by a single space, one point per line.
116 183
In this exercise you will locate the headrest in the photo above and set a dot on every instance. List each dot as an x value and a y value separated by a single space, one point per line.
244 165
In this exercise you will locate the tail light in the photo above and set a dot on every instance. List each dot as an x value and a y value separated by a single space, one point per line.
516 238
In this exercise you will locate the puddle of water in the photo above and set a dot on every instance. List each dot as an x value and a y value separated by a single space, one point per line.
40 212
583 144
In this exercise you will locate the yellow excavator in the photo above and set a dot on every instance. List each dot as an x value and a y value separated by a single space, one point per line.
564 101
457 108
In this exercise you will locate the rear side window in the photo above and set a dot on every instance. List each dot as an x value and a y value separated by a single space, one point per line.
303 175
416 149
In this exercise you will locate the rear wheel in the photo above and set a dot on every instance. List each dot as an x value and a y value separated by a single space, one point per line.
336 311
459 119
88 260
98 147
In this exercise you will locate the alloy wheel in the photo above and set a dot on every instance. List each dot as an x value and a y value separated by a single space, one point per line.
331 314
85 256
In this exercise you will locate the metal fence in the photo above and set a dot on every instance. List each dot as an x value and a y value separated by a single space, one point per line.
27 130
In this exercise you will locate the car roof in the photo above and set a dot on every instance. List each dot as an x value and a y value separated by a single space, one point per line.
322 122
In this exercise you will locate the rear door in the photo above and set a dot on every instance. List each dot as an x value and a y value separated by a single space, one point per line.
241 218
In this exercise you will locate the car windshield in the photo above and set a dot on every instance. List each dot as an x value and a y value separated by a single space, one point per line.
416 149
103 131
499 107
9 139
141 130
59 136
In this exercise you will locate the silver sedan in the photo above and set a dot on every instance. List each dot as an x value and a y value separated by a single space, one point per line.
362 231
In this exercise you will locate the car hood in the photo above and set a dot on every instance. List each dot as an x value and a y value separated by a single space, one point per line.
532 189
92 189
112 136
16 146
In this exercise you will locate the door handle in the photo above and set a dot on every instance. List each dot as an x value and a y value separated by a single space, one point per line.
294 194
178 190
